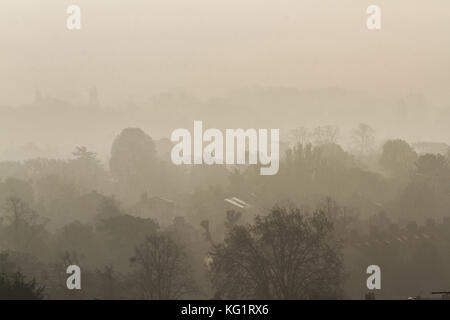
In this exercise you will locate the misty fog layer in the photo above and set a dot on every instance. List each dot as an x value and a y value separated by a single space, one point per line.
86 176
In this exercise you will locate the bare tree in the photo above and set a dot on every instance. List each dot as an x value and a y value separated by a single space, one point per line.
284 255
17 287
162 269
20 217
108 281
363 139
300 135
325 135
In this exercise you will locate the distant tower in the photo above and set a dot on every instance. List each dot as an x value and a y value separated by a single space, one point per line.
38 96
93 97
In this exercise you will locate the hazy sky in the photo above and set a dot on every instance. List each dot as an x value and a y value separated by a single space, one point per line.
136 48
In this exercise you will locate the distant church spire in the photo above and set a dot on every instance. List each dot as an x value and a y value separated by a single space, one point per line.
93 97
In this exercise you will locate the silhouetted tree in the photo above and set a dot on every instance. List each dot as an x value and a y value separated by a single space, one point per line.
108 282
22 222
133 159
16 287
86 170
108 207
284 255
363 139
162 271
398 157
325 134
300 135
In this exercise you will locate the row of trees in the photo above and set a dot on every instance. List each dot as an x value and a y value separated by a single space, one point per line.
104 217
283 255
